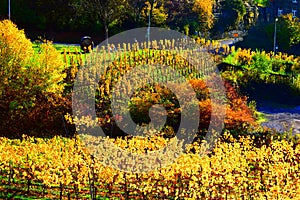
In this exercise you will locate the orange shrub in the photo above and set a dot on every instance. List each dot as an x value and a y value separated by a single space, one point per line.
238 116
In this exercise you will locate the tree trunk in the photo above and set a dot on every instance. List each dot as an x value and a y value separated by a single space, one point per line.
151 9
106 32
105 22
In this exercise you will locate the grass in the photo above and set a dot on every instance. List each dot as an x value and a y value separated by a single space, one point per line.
71 48
261 117
59 47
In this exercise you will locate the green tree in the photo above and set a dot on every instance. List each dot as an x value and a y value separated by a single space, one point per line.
109 12
181 14
291 26
23 12
135 8
233 12
288 32
262 3
56 14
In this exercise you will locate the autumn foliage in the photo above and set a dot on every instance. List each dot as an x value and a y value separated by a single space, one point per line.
29 82
35 97
238 116
62 168
204 9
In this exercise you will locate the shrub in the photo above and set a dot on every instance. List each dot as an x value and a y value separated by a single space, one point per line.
26 77
260 66
238 116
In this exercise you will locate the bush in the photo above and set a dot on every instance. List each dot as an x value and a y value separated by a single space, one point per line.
261 66
26 78
238 116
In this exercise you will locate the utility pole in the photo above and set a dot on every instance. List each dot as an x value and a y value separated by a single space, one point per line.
275 30
9 9
149 20
148 30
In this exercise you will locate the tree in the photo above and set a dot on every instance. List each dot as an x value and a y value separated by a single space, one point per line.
181 14
262 3
23 73
49 16
293 25
135 8
57 14
288 33
107 11
23 13
157 12
252 12
26 77
233 12
204 10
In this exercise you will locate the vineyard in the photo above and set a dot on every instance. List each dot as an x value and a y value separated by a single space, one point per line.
60 168
200 74
38 161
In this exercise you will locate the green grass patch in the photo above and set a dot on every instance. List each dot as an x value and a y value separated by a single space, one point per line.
59 47
261 117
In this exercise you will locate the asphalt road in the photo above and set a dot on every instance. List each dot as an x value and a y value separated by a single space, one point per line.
281 118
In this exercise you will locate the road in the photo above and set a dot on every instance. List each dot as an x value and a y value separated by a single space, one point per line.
281 118
230 41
